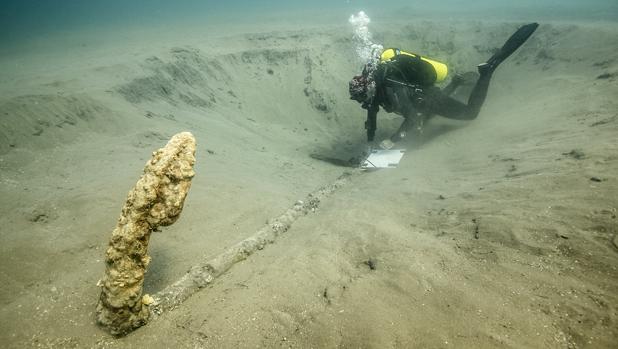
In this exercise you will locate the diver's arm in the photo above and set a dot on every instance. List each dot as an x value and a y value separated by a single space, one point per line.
371 123
402 131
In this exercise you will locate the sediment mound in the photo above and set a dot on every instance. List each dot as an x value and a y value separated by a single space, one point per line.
43 121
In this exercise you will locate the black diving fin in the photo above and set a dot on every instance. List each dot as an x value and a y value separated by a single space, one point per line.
513 43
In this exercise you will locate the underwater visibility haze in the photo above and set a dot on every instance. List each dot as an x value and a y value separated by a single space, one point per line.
308 174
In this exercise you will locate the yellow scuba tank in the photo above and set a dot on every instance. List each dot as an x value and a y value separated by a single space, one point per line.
440 69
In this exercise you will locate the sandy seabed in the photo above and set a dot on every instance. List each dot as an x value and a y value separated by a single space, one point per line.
500 232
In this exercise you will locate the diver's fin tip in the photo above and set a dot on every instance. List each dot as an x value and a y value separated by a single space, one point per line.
518 38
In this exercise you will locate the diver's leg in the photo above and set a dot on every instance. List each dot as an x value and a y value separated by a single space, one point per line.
441 104
477 96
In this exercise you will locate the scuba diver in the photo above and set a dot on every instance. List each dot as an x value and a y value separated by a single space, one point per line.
403 83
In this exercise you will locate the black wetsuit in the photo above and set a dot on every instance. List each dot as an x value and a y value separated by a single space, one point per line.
404 86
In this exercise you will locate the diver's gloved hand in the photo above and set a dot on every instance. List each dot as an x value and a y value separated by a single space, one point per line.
387 144
457 80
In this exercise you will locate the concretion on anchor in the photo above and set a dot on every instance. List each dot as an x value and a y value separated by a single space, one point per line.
156 200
